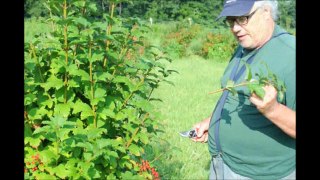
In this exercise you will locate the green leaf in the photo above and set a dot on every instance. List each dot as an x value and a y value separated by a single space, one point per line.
103 76
79 106
134 149
143 138
280 96
130 70
248 72
102 143
62 110
58 121
45 176
42 129
88 146
99 25
71 166
104 113
251 83
61 171
37 113
84 108
113 154
143 66
95 133
82 21
30 65
96 57
73 83
29 98
100 92
81 73
47 156
52 82
34 142
259 91
111 160
57 65
27 130
281 86
112 176
99 96
125 80
87 32
120 116
84 166
94 173
87 156
44 100
59 95
86 115
129 127
93 7
62 134
126 175
143 104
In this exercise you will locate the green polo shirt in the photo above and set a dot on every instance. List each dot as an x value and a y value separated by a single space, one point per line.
252 145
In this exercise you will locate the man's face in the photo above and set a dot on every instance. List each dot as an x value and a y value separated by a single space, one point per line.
254 30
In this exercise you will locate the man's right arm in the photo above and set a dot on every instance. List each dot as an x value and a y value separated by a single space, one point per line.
202 130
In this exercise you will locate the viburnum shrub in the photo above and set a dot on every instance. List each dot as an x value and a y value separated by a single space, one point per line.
218 46
256 85
179 40
88 87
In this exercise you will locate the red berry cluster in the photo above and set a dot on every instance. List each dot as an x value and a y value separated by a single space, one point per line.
34 164
145 166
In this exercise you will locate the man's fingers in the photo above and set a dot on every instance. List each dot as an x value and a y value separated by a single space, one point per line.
255 99
200 132
206 138
203 138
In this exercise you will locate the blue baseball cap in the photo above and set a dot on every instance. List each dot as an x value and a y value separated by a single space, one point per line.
236 8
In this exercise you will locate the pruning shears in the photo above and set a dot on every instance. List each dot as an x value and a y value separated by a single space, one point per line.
189 134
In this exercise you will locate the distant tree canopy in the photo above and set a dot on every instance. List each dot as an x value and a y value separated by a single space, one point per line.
201 11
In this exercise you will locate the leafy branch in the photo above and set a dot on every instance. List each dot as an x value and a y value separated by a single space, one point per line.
256 86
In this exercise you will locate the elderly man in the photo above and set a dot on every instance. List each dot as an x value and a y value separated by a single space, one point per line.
250 137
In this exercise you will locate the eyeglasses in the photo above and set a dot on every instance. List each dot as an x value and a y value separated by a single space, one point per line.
241 20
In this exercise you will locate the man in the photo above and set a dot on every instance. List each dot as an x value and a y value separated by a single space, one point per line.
250 137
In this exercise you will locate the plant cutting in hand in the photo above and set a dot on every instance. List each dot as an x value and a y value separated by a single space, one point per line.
256 86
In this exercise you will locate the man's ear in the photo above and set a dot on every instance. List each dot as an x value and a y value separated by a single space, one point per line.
267 11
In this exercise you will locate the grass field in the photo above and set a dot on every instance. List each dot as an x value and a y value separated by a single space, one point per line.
33 27
184 104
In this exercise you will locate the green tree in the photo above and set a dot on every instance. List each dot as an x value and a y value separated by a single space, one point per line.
35 8
287 10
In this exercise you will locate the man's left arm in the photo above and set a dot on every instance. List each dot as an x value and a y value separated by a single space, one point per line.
279 114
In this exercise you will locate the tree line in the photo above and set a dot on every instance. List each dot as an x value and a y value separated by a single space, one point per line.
200 11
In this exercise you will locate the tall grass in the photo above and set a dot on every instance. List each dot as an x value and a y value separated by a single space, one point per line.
184 104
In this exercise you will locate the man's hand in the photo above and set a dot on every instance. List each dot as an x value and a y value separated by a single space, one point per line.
268 103
279 114
202 130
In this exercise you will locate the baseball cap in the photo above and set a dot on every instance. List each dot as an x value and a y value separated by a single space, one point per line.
236 8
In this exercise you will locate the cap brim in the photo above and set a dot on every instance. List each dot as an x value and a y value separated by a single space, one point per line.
238 9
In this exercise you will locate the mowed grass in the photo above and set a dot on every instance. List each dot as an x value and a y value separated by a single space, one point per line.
183 105
34 27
